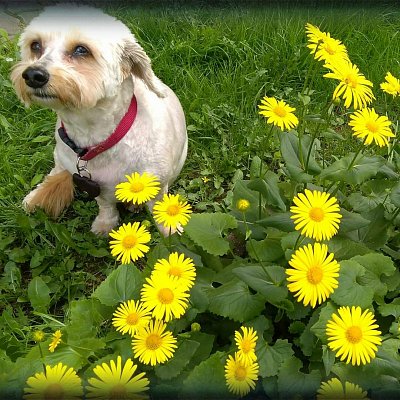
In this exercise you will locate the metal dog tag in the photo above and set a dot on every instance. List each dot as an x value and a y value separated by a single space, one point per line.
85 184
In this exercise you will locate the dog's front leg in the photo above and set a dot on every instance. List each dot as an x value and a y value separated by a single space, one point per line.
53 195
108 216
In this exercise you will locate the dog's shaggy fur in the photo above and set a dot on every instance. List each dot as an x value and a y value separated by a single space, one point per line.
94 65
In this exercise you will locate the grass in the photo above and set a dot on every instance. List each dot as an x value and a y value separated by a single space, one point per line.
220 61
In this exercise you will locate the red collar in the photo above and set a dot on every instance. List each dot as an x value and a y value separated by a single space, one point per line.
121 130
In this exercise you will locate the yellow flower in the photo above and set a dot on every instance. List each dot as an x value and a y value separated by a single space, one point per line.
171 212
246 344
130 317
153 345
56 341
117 381
138 189
368 125
55 383
177 266
38 336
354 88
240 378
278 113
353 335
130 242
328 49
242 205
313 274
314 34
316 214
165 296
392 85
335 390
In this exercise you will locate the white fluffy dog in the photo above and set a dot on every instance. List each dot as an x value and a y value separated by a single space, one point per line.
89 68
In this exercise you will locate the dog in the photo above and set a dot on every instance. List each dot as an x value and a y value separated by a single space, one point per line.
89 68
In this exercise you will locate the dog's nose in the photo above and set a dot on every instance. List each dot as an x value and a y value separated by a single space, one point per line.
35 77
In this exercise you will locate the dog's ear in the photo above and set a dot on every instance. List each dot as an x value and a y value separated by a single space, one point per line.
136 61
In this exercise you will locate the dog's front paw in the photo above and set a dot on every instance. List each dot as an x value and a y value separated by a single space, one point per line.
102 226
29 203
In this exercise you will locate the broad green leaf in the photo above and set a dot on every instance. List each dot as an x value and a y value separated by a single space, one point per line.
269 282
206 230
198 293
353 290
351 221
328 358
376 266
375 234
241 191
363 168
307 339
39 294
268 187
392 308
270 358
267 250
344 248
234 300
207 380
186 349
395 195
281 221
292 382
121 285
270 386
203 351
319 328
12 276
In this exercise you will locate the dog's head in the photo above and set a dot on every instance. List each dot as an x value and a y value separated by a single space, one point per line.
72 56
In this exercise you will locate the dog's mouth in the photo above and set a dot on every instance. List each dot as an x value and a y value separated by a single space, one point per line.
44 96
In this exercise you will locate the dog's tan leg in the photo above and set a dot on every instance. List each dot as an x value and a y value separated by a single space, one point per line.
108 216
53 195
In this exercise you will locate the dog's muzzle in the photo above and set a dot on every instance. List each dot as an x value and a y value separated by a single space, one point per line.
35 77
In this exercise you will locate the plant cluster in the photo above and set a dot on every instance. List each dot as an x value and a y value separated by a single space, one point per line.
291 291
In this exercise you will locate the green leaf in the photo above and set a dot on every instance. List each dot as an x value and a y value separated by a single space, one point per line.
267 250
281 221
270 358
375 234
39 294
293 383
352 290
203 351
392 308
207 380
269 282
319 328
344 248
328 358
395 195
351 221
241 190
268 187
307 339
234 300
206 231
121 285
363 169
186 349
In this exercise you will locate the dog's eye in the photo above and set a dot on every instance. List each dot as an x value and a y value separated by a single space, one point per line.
36 47
80 51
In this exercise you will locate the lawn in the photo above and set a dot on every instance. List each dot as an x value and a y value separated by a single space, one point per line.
221 61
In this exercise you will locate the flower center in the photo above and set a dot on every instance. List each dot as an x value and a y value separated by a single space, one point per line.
240 373
173 210
246 345
129 241
280 111
372 126
132 318
166 296
53 392
316 214
153 341
118 392
315 275
176 271
351 80
137 187
354 334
